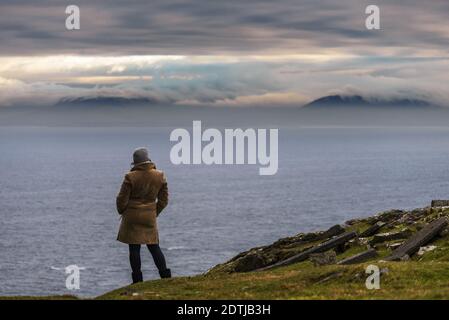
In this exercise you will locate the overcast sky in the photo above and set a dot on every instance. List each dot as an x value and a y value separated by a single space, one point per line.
212 52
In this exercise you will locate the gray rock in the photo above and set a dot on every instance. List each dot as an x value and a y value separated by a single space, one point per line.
439 203
387 216
394 246
419 239
373 229
249 262
361 257
405 257
418 213
423 250
324 258
444 233
353 221
388 236
317 236
309 237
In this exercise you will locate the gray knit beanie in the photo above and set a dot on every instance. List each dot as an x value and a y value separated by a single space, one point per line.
140 155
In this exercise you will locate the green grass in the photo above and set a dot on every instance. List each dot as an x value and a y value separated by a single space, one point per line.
404 280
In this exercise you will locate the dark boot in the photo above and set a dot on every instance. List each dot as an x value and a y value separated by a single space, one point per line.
137 277
165 273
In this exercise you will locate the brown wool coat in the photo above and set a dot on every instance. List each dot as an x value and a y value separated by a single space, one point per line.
142 197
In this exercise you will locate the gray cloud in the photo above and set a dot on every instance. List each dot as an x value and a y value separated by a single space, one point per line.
219 27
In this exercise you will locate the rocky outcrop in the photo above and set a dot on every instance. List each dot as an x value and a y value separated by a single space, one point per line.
374 237
335 242
280 250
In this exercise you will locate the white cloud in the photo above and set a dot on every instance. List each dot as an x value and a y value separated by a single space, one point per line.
221 81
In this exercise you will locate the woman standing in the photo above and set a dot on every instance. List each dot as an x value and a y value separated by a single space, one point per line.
142 197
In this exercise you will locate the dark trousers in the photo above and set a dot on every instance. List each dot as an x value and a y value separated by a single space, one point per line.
156 252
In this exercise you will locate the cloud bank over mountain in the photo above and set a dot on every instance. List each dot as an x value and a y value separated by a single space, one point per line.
211 81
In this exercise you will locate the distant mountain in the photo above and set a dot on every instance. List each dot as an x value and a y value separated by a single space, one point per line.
356 101
106 101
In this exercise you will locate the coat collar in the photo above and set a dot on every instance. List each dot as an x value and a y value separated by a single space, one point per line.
143 166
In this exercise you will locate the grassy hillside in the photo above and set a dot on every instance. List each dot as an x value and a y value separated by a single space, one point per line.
422 276
404 280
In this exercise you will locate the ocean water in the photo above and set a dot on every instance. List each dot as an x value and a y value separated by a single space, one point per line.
58 188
